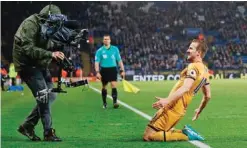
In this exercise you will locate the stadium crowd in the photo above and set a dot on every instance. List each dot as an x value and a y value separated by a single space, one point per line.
152 36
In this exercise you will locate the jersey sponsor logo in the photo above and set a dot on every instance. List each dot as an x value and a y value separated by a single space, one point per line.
104 56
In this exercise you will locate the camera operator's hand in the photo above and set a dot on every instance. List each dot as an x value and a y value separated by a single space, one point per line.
58 55
98 75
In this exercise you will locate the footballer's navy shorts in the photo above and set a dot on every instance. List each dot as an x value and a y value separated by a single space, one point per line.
108 74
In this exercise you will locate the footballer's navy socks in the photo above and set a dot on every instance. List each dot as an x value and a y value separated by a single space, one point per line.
104 94
114 95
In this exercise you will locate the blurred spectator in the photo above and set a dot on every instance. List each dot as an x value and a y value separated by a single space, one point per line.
152 36
4 75
12 74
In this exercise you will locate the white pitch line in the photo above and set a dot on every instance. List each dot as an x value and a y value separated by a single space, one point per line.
195 142
199 144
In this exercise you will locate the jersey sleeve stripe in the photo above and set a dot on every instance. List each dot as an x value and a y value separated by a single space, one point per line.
200 85
190 77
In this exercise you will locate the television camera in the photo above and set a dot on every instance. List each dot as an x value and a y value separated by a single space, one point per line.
62 32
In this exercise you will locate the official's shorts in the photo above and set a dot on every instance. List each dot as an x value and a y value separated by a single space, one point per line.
108 74
164 120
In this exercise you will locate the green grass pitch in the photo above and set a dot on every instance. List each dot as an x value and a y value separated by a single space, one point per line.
80 120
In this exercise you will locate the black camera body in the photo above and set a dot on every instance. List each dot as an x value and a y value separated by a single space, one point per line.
62 32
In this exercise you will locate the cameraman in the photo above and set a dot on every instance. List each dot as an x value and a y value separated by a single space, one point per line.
31 60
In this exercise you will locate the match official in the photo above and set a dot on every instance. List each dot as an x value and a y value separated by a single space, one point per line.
106 59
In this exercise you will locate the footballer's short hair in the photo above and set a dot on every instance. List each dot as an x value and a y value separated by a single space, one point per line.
202 46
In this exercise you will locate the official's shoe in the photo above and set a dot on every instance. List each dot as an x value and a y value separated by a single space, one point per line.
51 136
105 106
115 105
29 133
191 133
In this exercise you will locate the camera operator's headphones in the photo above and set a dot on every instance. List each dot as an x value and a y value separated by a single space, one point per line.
53 23
59 29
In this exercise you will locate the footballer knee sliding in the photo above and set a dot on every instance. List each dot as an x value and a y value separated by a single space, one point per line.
165 136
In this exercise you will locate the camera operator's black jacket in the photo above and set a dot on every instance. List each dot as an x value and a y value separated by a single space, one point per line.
29 49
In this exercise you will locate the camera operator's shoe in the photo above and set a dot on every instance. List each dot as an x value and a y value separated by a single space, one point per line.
115 105
105 106
29 133
51 136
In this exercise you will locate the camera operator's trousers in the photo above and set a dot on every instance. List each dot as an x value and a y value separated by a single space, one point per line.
39 80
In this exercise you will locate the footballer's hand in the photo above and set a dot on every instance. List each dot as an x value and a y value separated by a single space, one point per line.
161 103
197 113
123 75
98 75
57 55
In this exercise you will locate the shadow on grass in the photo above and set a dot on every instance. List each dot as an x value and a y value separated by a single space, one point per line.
14 139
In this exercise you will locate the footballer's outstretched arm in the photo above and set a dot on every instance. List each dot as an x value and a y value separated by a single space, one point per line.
188 82
205 99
